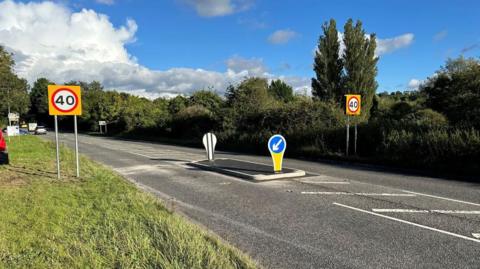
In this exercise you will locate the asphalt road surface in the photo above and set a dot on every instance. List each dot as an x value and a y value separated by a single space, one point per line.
342 217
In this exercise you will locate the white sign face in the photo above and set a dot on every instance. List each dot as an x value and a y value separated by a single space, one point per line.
32 127
65 100
103 123
13 117
353 105
210 141
13 130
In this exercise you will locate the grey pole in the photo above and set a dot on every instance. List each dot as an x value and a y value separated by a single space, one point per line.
348 135
355 138
76 146
58 150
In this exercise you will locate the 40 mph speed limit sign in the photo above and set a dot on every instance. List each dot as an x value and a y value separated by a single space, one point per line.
64 100
353 104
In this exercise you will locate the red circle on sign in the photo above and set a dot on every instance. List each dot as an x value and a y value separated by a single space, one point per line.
358 102
63 110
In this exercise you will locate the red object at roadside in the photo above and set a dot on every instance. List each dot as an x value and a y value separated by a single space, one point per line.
3 145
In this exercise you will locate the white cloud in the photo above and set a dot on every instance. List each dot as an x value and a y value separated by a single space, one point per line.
105 2
414 84
384 46
282 36
214 8
254 66
388 45
49 40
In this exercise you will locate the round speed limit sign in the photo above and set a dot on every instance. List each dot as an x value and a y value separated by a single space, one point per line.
64 100
353 104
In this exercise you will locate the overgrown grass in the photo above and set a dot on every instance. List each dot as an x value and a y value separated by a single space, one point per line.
98 221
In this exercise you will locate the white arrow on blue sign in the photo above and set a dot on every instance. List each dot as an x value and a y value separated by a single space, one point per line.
277 144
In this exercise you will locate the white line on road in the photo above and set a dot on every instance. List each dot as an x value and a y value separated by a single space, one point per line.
389 210
474 212
443 198
357 193
410 223
326 182
400 210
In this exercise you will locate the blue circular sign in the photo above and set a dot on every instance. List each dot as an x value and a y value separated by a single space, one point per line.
277 144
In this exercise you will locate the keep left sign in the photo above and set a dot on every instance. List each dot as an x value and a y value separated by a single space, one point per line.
64 100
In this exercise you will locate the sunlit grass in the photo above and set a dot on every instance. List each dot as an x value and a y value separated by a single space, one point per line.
97 221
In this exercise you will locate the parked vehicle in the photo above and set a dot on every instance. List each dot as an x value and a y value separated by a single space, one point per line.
3 150
40 130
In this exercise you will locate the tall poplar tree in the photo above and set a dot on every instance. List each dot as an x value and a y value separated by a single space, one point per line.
328 65
360 64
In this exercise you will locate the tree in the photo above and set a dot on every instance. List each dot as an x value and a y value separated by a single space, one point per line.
208 99
250 96
39 99
328 65
455 91
360 64
13 90
176 104
281 90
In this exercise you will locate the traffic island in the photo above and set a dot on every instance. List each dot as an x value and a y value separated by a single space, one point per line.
246 170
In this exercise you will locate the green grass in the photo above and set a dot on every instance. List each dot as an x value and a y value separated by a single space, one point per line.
97 221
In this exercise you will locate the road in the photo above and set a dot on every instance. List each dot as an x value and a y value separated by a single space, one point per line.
338 217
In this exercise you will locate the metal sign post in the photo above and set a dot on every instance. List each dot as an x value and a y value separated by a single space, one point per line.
355 145
348 135
57 146
76 145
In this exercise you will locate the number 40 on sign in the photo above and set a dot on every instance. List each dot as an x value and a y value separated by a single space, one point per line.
353 104
64 100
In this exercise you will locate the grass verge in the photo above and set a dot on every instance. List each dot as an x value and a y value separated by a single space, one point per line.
97 221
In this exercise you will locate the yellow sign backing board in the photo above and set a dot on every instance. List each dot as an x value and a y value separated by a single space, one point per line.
64 100
353 104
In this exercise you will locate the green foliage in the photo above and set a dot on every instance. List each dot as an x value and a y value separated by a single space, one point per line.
176 104
39 99
328 65
360 64
250 96
208 99
281 90
434 148
13 90
455 92
193 121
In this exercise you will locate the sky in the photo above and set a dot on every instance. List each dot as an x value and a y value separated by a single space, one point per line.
170 47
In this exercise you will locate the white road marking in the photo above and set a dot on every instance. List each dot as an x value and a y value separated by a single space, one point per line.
399 210
388 210
443 198
357 193
410 223
474 212
476 235
326 182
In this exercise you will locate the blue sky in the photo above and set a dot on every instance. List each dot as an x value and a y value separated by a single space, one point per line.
216 35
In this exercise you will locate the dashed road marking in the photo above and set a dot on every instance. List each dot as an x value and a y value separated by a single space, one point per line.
401 210
443 198
358 193
410 223
388 210
326 182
